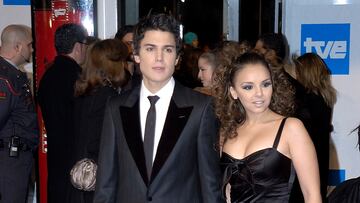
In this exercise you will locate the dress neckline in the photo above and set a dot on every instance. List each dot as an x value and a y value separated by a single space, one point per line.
255 153
274 147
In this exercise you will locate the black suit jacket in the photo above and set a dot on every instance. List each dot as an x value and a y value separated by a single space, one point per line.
185 168
56 99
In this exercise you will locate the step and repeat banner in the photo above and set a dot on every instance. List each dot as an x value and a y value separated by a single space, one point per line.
332 29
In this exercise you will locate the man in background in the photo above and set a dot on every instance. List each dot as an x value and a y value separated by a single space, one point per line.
56 97
18 120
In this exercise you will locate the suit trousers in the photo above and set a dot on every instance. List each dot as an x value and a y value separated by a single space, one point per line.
14 176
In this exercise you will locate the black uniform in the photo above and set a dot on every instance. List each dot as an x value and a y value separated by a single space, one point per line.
18 133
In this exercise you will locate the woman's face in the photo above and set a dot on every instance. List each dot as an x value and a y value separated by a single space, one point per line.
205 72
253 87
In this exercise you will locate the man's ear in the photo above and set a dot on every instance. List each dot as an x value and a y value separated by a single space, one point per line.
136 58
77 47
18 47
177 59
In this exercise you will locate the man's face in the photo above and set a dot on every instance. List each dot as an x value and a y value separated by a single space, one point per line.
157 58
25 50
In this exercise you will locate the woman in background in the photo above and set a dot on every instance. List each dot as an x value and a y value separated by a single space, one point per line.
207 66
260 144
102 78
319 98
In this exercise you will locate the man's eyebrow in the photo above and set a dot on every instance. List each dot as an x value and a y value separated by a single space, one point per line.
166 46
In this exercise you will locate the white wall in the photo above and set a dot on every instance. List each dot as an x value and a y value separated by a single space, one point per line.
344 154
107 18
14 15
19 14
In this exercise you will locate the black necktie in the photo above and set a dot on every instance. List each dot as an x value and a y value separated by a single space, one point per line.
150 134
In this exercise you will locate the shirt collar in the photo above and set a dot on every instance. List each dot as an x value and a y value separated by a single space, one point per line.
164 92
13 64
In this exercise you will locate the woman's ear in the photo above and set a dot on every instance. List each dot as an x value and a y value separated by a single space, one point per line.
233 92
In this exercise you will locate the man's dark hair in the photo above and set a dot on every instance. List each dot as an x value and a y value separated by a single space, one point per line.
123 31
67 35
160 22
276 42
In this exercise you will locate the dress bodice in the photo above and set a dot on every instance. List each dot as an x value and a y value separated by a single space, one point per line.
263 176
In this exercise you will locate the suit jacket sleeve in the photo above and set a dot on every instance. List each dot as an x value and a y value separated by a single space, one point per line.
107 176
208 156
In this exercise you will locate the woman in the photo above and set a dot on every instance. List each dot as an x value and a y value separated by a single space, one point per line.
259 145
319 97
207 65
102 78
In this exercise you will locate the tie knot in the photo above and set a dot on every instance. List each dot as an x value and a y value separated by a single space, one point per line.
153 99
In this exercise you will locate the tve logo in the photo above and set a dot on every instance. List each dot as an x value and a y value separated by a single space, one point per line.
331 42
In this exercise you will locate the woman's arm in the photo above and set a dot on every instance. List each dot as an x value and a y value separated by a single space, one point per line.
304 158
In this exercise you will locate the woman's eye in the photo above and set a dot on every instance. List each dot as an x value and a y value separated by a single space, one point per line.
247 87
267 84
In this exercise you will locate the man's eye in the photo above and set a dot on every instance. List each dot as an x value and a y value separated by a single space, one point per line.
169 50
149 48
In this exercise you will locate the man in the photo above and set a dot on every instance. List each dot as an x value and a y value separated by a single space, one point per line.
126 35
18 120
55 96
173 159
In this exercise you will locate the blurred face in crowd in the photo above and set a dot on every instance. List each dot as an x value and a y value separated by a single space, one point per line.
206 71
128 40
25 49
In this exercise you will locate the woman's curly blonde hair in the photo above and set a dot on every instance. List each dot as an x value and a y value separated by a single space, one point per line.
231 112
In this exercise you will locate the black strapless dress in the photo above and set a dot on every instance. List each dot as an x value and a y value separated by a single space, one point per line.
263 176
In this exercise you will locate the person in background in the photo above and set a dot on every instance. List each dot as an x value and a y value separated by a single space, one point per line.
319 98
126 35
158 139
207 65
187 70
90 41
191 40
100 79
187 73
19 133
349 190
56 99
260 143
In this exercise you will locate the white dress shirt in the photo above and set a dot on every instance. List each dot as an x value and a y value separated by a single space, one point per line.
162 106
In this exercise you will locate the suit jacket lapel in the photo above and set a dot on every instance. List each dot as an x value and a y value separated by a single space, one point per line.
130 117
175 122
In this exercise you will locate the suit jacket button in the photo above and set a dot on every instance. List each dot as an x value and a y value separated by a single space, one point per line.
149 199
